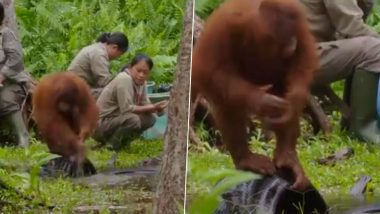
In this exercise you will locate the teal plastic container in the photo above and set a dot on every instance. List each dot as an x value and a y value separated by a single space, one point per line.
150 86
159 128
157 97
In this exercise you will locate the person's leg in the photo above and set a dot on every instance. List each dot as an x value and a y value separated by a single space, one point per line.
96 92
147 121
358 58
117 131
363 98
11 98
100 132
338 59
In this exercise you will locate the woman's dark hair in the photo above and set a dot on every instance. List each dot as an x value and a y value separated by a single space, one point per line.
118 38
1 13
137 59
142 57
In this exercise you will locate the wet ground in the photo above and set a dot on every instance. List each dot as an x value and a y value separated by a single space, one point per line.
141 178
139 185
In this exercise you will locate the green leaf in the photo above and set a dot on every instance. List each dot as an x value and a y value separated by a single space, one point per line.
209 202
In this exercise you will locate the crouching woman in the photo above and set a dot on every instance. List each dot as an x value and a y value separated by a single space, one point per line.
125 109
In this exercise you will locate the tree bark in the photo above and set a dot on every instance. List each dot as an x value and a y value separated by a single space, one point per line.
10 15
170 195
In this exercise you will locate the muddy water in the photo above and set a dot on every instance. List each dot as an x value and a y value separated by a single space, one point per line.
139 185
142 178
342 204
271 195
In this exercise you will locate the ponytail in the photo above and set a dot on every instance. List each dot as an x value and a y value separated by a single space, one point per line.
103 38
118 38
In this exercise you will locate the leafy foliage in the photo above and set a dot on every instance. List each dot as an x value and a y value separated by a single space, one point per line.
53 32
22 186
221 180
374 18
203 8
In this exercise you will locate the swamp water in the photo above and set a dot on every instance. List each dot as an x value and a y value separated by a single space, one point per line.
137 186
347 204
271 195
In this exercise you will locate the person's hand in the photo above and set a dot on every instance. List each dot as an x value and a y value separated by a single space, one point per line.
2 78
160 106
152 108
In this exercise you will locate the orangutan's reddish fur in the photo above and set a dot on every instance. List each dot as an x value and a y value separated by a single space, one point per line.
244 63
65 113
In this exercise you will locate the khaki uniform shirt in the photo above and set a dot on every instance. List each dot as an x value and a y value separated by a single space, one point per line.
92 64
336 19
119 96
11 57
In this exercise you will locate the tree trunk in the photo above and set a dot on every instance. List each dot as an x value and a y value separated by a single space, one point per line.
171 187
10 15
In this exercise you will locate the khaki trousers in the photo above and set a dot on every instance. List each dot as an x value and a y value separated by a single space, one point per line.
123 127
339 58
12 96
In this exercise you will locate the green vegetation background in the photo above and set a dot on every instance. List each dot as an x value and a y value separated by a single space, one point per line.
52 32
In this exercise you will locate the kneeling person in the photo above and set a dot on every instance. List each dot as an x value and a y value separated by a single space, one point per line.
125 109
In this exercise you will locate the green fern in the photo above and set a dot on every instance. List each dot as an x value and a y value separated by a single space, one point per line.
52 32
204 8
374 18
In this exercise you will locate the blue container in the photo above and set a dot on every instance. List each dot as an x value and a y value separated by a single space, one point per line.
159 128
150 86
157 97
